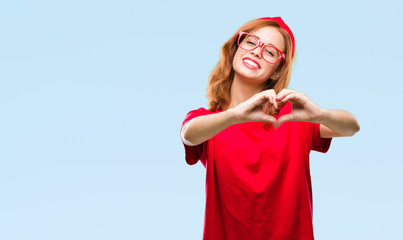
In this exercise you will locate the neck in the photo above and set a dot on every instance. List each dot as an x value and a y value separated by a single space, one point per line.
242 91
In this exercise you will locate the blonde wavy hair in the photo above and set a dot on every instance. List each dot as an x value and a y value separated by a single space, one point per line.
221 77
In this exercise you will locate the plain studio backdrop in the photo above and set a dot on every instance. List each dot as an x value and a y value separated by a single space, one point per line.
93 94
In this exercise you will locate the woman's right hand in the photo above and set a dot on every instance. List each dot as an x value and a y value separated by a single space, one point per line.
259 108
255 108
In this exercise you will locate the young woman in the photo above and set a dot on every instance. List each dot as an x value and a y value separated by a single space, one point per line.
255 139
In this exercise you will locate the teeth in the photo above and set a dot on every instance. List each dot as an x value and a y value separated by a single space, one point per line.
250 63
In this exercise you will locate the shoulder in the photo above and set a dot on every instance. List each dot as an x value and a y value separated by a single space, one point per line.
202 111
198 112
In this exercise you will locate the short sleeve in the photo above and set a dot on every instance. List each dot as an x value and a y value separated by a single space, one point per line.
312 132
318 143
199 152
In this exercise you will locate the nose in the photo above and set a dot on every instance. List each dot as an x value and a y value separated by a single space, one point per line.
257 51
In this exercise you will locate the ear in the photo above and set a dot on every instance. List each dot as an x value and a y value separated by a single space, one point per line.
276 75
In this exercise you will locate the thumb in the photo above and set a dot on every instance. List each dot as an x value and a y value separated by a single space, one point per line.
285 118
272 120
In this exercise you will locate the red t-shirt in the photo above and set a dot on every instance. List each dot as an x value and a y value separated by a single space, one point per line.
258 183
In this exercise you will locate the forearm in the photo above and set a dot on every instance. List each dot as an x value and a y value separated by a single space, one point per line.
340 121
202 128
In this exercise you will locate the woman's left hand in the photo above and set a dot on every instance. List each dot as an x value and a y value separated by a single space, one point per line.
303 108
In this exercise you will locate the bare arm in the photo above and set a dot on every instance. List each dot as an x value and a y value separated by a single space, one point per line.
334 123
202 128
338 123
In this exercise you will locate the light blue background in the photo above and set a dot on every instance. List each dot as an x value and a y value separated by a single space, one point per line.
93 93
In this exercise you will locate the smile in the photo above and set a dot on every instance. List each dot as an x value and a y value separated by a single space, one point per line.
250 63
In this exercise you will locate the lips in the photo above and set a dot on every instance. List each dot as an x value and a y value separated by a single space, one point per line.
250 63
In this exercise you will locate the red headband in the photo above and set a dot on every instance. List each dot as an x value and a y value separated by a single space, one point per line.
285 27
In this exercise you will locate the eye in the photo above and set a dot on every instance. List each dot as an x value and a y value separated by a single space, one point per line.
270 53
251 43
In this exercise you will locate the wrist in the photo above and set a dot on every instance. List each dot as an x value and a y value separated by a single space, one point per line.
233 116
324 113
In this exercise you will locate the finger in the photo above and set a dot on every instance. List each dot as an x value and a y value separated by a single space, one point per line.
280 104
294 97
288 97
285 118
268 93
283 93
257 100
270 119
272 100
267 96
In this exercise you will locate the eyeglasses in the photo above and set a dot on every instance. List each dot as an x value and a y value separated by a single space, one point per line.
270 53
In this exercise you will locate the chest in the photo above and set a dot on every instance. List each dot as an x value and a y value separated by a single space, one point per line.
250 151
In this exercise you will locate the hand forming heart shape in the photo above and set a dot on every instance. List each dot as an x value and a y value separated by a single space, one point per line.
264 106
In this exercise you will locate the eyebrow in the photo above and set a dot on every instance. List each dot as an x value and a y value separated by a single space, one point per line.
266 43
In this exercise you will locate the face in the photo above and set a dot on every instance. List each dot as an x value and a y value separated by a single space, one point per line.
250 66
